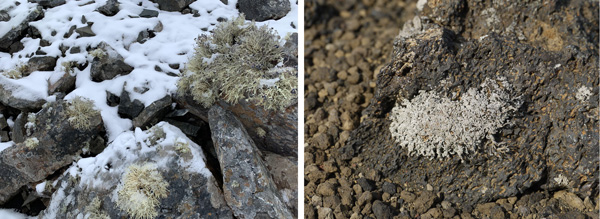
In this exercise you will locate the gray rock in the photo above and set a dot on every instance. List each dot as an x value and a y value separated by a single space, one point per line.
153 113
143 36
58 145
112 99
4 136
128 108
64 84
40 63
284 171
261 10
49 3
85 31
17 32
147 13
110 8
290 50
18 129
187 128
381 210
31 103
3 123
192 191
247 184
109 66
173 5
4 16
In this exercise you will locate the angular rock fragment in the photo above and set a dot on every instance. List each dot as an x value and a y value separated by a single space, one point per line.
128 108
64 84
53 142
284 171
261 10
40 63
27 99
85 31
153 113
108 64
49 3
173 5
147 13
249 189
110 8
14 35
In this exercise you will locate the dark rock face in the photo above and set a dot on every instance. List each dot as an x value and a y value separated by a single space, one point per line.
65 84
248 187
153 113
40 63
108 66
16 33
49 3
281 128
173 5
550 84
7 98
110 8
128 108
290 49
149 13
57 141
261 10
85 31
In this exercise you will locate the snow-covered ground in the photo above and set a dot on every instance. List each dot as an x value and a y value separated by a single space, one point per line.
151 59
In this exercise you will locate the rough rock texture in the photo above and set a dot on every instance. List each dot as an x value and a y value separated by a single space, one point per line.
8 87
284 171
146 13
64 84
539 142
191 193
290 49
40 63
108 66
58 142
110 8
85 31
173 5
281 127
248 187
128 108
261 10
153 113
17 32
49 3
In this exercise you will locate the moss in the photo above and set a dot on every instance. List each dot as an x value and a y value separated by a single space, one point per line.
140 190
81 112
231 63
31 143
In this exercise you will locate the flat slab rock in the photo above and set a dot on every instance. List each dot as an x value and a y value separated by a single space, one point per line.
554 134
247 184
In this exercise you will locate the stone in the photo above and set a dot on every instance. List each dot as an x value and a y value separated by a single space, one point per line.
290 50
248 187
108 66
173 5
14 35
143 36
64 84
57 144
192 191
570 199
85 31
388 187
110 8
187 128
381 210
28 100
4 16
3 122
40 63
261 10
18 129
49 3
154 112
367 185
4 136
147 13
128 108
113 99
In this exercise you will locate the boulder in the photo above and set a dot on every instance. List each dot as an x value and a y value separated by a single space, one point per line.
110 8
157 173
27 100
128 108
51 143
173 5
64 84
153 113
261 10
284 171
40 63
108 65
14 35
49 3
248 187
558 92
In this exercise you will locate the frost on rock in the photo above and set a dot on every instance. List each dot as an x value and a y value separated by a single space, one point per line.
434 126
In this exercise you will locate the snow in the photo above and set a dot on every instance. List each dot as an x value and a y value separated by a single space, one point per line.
11 214
5 145
39 188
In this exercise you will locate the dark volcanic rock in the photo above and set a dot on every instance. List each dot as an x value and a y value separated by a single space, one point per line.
261 10
173 5
53 144
27 103
153 113
109 65
249 189
550 84
127 108
18 32
110 8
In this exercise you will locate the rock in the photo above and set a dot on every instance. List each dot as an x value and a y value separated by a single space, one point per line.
143 36
108 66
261 10
49 3
53 144
290 50
173 5
183 186
388 187
284 171
570 199
187 128
3 122
85 31
531 157
127 108
114 100
14 35
110 8
40 63
381 210
28 100
281 127
4 136
325 213
154 112
64 84
4 16
147 13
18 129
249 189
367 185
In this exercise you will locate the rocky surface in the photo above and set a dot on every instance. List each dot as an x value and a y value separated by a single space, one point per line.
108 64
448 50
7 88
261 10
9 41
172 5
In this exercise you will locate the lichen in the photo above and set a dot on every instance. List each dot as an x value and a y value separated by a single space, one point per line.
231 63
98 53
68 67
93 210
156 135
260 132
182 146
31 143
140 190
81 113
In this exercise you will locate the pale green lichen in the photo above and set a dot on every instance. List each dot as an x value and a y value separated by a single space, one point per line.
156 135
31 143
98 53
68 67
260 132
232 64
140 190
182 146
18 72
81 112
93 210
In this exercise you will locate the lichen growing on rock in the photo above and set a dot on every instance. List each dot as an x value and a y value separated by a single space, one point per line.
240 61
80 112
93 210
140 190
31 143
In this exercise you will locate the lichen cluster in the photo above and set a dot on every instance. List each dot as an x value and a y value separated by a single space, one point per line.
140 190
32 142
235 62
81 112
